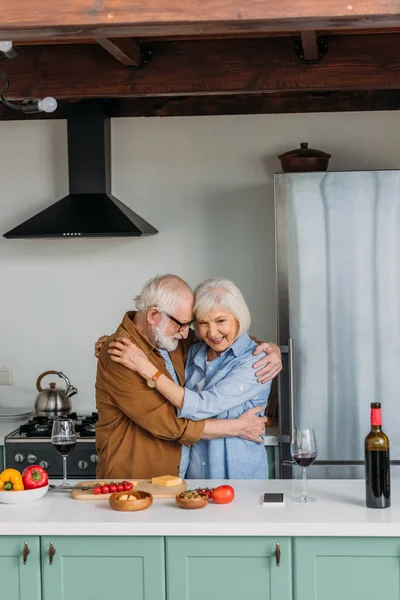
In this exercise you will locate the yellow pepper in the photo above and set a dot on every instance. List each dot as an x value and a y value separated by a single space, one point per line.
11 479
18 486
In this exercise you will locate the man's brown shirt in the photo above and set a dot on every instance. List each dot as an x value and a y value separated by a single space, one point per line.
138 434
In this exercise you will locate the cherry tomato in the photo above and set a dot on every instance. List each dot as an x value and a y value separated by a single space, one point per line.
97 489
120 487
113 488
205 492
223 494
105 489
128 486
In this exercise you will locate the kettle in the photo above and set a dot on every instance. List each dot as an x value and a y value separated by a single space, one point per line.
52 401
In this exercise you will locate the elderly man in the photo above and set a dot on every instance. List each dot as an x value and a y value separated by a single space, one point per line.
138 433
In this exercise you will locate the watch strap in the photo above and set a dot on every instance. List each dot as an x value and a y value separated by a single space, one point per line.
156 376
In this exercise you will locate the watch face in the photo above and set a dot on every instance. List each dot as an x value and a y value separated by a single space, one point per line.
151 383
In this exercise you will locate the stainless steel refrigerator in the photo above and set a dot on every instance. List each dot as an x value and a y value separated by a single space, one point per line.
338 276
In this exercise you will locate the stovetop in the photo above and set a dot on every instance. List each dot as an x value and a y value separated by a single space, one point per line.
40 427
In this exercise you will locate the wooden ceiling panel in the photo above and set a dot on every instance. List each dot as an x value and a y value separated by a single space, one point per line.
301 102
39 19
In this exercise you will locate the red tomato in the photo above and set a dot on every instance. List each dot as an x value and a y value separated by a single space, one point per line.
97 489
223 494
105 489
128 486
120 487
113 488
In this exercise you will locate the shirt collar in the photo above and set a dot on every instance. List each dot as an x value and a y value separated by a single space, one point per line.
238 347
137 335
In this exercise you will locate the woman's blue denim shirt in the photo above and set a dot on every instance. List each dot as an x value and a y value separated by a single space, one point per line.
230 388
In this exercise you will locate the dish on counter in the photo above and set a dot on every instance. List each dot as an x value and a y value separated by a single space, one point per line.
23 497
13 413
130 501
191 500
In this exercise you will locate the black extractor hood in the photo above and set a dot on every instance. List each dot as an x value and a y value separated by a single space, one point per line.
89 210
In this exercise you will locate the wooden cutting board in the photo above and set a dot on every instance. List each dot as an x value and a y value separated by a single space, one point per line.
143 485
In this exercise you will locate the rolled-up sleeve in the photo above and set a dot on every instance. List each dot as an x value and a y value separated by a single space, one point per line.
239 386
148 408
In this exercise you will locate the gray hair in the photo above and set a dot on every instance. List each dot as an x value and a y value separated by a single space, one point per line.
162 291
219 292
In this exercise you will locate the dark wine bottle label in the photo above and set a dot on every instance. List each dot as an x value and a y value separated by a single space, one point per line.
377 478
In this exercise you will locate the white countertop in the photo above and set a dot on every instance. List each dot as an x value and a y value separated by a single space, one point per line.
338 511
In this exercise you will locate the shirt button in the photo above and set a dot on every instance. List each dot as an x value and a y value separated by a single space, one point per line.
203 463
210 368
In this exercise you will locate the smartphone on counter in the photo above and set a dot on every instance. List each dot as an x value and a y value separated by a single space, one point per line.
273 499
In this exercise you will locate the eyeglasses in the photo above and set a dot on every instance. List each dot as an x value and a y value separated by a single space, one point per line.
182 326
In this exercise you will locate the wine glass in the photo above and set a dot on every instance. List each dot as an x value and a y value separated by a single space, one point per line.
63 438
304 451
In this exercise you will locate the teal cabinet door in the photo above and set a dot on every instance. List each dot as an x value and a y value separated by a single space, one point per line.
215 568
19 570
101 568
346 568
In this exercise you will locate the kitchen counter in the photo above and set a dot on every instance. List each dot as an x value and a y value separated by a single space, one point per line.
7 426
338 511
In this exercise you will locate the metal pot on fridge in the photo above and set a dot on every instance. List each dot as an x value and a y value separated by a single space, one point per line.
54 401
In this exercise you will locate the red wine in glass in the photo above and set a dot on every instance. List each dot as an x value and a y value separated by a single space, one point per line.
64 449
304 460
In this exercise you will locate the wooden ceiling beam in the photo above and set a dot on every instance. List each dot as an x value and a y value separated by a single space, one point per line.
211 67
303 102
39 19
127 51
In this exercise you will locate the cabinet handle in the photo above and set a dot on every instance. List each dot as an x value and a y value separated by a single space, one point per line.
25 552
278 554
52 552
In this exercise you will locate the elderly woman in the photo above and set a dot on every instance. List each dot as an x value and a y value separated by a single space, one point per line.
219 383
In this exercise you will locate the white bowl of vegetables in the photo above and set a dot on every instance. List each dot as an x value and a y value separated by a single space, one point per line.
19 488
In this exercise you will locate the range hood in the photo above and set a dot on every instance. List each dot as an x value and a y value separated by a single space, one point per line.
89 210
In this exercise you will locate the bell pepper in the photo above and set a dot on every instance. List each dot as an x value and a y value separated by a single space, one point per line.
11 479
34 477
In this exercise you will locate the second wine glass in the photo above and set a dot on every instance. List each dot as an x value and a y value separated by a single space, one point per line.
304 451
63 438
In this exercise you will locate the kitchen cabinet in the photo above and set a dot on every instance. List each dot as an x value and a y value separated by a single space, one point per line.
82 568
194 568
19 570
346 568
229 567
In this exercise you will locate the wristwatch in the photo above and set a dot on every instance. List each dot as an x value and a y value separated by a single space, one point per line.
151 382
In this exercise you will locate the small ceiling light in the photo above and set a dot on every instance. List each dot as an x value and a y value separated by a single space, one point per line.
47 104
8 49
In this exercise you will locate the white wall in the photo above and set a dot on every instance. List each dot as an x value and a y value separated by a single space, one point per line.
205 182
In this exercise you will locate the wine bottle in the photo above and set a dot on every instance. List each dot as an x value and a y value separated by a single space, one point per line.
377 463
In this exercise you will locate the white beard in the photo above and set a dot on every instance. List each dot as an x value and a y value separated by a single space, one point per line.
166 342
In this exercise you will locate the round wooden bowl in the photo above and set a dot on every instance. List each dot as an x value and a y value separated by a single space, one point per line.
192 503
143 501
